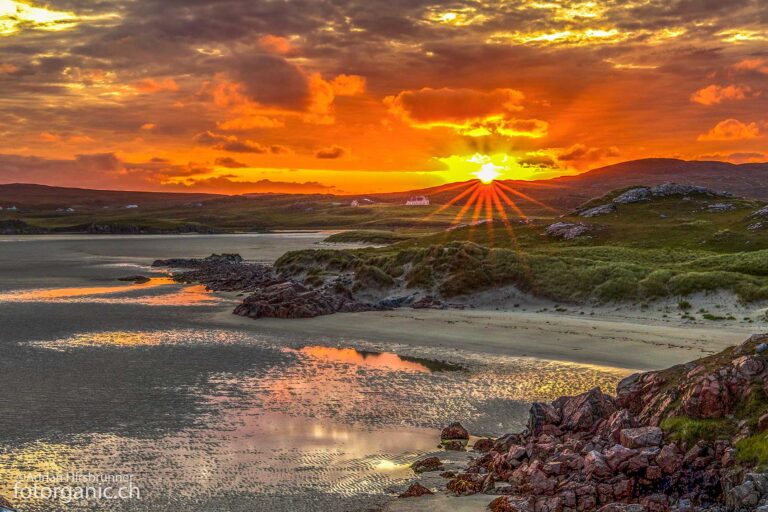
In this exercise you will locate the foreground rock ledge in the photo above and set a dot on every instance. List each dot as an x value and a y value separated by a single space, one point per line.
674 440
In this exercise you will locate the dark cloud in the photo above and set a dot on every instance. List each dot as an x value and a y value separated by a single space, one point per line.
230 163
331 152
229 143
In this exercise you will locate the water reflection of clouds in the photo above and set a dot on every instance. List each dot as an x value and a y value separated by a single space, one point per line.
158 291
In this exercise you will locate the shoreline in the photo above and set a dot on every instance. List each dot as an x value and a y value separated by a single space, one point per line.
601 340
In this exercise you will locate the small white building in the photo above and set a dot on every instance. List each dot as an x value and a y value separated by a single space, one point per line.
417 201
131 206
12 208
355 203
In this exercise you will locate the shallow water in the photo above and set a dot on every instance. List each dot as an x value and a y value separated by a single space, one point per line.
106 378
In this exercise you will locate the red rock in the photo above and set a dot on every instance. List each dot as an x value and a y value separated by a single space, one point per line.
669 459
622 507
617 455
455 446
615 423
653 473
539 415
583 411
416 490
655 503
464 485
596 467
623 488
641 437
554 468
709 397
483 445
516 452
428 464
749 366
454 431
511 504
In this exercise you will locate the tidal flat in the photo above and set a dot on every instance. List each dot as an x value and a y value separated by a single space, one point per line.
211 413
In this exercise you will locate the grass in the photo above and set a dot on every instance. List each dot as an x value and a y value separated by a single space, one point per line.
463 267
686 430
754 451
377 237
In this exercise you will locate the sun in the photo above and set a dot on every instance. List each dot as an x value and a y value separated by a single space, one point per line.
487 173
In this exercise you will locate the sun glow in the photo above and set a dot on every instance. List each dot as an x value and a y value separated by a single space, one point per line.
487 173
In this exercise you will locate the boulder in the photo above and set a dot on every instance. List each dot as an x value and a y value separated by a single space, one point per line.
633 195
582 412
596 467
483 445
567 230
415 490
290 299
655 503
428 464
454 431
454 445
465 484
720 207
541 415
669 459
618 455
709 397
641 437
511 504
615 423
603 209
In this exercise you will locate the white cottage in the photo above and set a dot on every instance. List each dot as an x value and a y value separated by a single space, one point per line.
417 201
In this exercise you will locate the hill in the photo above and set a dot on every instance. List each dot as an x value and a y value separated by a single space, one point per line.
747 180
27 195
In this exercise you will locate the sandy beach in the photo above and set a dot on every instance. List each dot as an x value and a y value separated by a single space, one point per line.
618 342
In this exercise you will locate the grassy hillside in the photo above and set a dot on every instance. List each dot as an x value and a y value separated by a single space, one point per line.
666 247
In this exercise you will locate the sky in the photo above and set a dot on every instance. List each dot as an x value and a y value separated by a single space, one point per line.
342 96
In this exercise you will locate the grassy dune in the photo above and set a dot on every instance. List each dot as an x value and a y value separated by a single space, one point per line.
662 248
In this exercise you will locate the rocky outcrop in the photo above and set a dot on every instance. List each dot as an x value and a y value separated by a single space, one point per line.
415 490
567 230
593 452
454 431
637 194
290 299
270 296
426 465
720 207
596 211
19 227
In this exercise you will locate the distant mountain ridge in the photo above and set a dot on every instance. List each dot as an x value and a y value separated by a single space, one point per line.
33 195
747 180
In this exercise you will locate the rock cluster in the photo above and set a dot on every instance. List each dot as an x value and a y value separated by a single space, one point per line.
594 452
720 207
270 295
603 209
567 230
289 299
635 195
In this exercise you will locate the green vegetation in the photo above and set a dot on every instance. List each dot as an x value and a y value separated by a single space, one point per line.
368 236
686 430
754 451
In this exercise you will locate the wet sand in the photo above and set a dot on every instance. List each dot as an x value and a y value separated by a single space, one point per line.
638 344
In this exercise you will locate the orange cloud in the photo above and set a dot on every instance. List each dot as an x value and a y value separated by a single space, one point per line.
714 94
229 143
275 44
467 111
8 69
331 152
348 85
759 65
49 137
148 126
150 85
449 107
731 129
584 153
